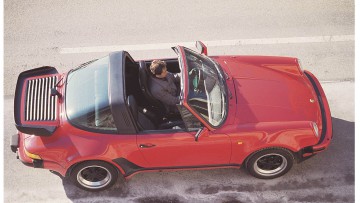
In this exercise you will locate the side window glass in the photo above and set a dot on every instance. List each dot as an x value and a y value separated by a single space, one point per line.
191 122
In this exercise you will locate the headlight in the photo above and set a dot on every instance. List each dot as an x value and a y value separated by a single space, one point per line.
30 155
315 128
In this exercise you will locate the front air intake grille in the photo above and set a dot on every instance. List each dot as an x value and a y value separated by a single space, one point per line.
40 105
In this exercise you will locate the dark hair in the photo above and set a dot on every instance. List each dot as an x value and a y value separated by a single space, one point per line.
157 67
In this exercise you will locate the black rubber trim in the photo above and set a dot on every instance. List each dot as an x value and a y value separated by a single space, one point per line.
323 114
299 154
38 163
14 143
31 129
130 168
38 130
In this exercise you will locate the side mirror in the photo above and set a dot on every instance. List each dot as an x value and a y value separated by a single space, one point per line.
201 132
201 47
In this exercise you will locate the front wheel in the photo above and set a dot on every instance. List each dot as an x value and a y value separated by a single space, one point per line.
270 163
94 175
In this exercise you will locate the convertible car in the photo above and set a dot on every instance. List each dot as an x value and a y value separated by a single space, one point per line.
99 123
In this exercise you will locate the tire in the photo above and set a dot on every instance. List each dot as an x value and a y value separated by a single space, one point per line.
270 163
94 175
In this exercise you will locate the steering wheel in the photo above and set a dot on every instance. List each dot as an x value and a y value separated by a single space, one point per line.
198 76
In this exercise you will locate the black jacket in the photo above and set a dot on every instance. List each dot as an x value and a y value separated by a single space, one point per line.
166 90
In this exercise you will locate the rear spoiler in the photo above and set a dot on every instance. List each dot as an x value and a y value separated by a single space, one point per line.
40 127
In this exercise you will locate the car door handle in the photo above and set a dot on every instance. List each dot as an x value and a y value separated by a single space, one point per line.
146 145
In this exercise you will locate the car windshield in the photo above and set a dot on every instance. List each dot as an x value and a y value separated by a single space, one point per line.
87 100
207 90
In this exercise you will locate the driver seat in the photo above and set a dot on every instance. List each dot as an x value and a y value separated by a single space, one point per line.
143 122
144 80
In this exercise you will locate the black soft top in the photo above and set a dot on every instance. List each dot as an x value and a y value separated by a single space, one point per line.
117 95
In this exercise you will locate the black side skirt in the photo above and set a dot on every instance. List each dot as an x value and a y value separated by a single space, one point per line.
130 168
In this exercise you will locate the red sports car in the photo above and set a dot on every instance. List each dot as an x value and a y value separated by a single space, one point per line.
99 122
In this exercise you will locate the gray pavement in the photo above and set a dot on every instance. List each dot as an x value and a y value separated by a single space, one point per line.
35 31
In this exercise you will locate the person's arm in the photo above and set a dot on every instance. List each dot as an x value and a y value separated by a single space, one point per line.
165 97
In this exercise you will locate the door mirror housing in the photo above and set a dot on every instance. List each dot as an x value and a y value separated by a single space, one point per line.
201 47
201 132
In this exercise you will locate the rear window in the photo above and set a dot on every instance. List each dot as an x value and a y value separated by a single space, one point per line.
87 100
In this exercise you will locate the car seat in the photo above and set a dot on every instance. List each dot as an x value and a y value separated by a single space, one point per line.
144 80
143 122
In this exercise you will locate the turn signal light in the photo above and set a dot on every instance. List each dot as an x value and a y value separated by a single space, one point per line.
33 156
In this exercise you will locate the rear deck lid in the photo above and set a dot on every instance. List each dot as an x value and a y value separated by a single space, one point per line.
35 110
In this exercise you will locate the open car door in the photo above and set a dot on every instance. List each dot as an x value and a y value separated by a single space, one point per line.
204 91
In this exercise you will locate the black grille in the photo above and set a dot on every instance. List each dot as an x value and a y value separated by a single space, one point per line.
40 105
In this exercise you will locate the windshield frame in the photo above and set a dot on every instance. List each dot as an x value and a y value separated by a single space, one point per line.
222 78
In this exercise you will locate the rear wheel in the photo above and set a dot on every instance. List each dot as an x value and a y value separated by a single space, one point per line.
94 175
270 163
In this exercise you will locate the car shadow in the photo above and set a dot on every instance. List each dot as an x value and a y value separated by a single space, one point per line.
331 168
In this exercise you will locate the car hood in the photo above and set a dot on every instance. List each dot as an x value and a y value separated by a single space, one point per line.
270 89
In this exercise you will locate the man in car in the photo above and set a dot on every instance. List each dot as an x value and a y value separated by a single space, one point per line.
164 86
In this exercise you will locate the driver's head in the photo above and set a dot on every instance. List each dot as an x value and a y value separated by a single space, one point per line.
158 68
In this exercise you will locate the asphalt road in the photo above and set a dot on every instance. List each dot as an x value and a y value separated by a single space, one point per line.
37 32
